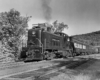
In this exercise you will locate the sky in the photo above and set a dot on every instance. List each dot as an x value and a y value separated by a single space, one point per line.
81 16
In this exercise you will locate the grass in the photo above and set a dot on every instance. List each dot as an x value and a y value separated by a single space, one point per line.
88 75
80 76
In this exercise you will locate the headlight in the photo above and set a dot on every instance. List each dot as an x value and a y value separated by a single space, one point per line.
33 32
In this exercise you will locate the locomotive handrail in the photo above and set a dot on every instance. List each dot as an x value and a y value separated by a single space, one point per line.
40 43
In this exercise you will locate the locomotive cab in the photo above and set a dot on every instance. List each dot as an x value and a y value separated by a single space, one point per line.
65 36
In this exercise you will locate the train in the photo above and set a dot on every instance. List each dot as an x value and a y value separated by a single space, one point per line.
83 48
44 45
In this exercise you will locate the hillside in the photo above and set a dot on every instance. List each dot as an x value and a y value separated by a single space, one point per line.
92 38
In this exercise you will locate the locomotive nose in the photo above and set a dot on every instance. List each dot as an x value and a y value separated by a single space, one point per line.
68 39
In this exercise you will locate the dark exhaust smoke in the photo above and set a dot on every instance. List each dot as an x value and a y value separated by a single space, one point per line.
46 9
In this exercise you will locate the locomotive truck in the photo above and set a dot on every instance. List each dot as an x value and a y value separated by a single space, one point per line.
42 44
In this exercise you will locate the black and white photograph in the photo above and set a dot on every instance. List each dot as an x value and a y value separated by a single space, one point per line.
49 39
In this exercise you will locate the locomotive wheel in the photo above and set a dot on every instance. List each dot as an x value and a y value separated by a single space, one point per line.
73 54
70 53
46 55
49 55
65 54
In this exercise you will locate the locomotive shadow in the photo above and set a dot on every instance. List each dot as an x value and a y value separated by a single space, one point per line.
83 67
79 64
27 61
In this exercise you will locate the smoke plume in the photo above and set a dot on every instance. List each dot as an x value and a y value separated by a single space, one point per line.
46 9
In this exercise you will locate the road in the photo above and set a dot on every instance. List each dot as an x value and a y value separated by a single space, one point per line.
44 70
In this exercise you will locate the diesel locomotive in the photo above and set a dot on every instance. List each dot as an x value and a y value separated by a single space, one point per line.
42 44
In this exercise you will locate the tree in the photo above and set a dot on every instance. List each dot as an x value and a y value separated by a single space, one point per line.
59 27
13 27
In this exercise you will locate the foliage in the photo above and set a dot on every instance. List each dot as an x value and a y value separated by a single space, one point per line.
92 38
59 27
13 26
